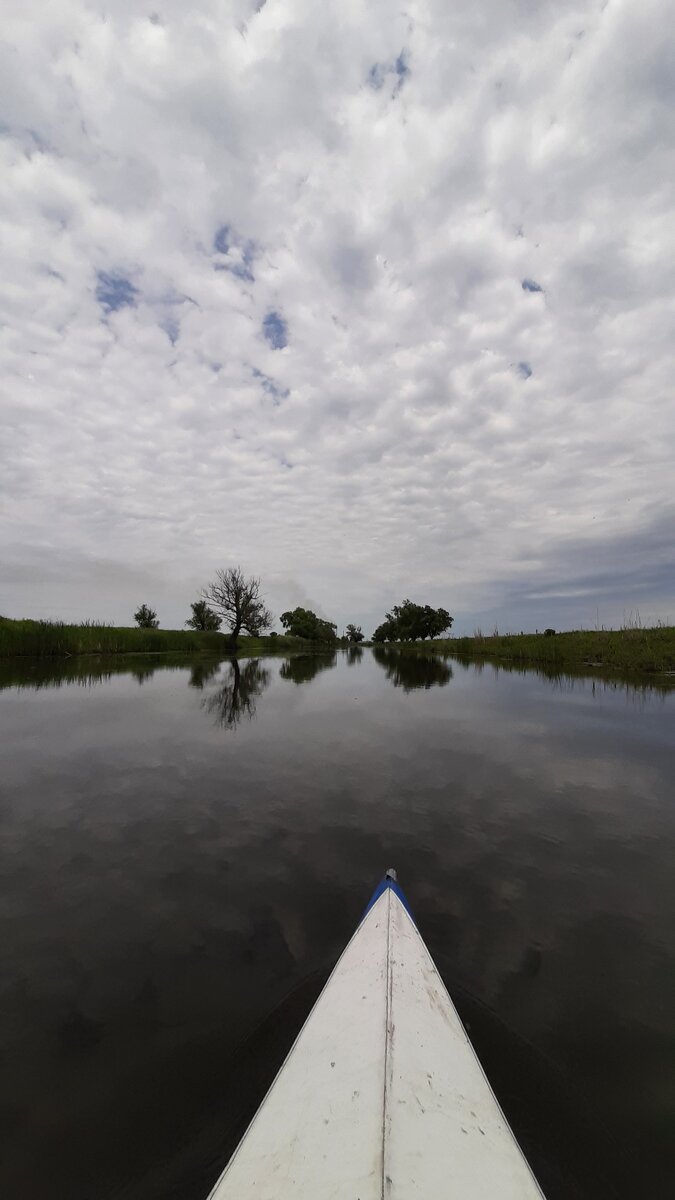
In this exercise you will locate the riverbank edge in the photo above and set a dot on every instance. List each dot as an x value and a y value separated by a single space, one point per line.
47 639
643 652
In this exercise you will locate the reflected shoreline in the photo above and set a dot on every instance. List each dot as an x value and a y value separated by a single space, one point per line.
404 668
609 679
36 673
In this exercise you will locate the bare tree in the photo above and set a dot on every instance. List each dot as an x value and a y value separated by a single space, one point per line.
239 602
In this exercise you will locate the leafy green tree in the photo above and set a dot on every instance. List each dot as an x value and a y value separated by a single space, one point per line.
203 617
434 622
302 622
410 622
386 632
354 634
146 618
238 602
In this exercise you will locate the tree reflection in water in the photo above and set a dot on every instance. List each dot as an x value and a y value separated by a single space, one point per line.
201 672
354 655
235 696
411 671
141 673
302 668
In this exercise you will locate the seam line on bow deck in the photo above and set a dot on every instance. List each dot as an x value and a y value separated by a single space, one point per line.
387 1049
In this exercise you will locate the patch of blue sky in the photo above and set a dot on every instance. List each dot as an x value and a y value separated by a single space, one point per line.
378 73
402 69
531 285
524 370
221 241
171 327
376 76
115 291
168 309
275 330
271 388
239 253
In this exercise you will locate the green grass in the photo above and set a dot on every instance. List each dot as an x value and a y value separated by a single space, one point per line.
54 639
641 651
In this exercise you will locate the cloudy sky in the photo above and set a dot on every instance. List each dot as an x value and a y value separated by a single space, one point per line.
374 301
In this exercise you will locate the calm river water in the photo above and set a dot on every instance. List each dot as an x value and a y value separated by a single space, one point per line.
186 848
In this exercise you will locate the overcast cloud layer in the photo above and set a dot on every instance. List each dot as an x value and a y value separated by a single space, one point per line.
374 302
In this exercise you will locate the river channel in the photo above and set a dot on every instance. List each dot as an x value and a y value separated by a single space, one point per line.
187 846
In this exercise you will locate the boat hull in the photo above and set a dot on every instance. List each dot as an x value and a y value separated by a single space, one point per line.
382 1095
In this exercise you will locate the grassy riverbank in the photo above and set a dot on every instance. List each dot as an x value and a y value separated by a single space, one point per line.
54 639
635 651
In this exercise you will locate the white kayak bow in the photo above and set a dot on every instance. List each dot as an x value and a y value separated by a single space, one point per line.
382 1096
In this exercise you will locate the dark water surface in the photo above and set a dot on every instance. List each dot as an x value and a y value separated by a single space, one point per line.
187 848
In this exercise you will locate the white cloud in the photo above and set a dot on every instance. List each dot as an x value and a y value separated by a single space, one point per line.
393 446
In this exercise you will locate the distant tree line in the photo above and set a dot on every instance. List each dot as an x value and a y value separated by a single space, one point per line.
231 598
237 601
409 622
